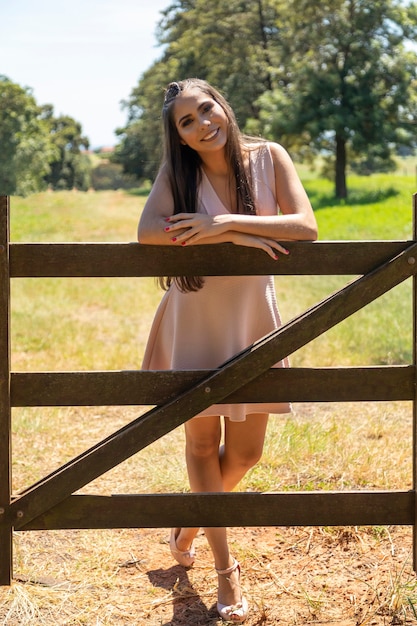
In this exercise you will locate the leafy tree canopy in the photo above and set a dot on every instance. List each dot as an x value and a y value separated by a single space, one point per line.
333 77
70 168
24 140
226 43
351 92
36 148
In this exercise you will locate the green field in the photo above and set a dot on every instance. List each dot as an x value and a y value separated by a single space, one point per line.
102 323
98 324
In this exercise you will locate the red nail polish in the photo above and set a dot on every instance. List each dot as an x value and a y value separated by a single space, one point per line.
167 219
166 229
174 239
183 243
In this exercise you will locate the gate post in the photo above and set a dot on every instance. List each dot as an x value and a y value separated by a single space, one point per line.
5 404
414 449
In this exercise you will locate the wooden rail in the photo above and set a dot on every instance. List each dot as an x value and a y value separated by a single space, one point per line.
177 396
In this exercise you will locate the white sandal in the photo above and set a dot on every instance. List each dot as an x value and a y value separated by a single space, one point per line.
187 558
236 613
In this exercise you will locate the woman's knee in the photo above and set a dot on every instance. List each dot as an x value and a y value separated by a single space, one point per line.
202 439
244 441
202 448
252 457
245 459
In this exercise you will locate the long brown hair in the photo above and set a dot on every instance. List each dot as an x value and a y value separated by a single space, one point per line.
184 165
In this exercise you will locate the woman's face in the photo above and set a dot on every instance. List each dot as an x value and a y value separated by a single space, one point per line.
200 121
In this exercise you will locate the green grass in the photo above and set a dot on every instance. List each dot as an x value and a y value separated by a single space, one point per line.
79 323
75 216
65 324
98 324
113 316
378 207
379 334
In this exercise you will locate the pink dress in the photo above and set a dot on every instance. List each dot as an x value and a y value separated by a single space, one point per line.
205 328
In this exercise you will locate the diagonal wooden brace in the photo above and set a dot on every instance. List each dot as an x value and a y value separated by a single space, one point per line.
212 389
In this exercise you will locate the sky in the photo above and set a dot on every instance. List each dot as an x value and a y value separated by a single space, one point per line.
82 56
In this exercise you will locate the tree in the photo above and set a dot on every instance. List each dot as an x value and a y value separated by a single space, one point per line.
351 89
231 44
330 77
108 175
24 139
36 148
70 168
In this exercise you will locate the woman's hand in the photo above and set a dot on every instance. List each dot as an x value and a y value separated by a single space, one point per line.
194 228
270 246
190 228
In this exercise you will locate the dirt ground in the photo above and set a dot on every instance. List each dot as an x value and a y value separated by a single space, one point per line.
344 576
339 576
290 577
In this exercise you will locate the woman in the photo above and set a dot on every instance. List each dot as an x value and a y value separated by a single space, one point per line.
216 185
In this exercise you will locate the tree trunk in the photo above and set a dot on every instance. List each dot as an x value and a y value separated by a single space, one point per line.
340 170
264 42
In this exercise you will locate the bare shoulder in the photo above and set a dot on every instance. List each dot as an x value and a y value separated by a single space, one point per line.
283 164
279 154
161 178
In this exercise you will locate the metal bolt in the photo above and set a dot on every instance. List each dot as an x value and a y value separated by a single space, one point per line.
411 260
2 511
20 514
207 389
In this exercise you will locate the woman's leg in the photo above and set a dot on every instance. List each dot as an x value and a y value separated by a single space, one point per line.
203 465
242 449
202 456
210 471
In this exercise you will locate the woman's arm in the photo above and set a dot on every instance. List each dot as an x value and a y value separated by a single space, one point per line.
295 222
154 228
158 207
159 226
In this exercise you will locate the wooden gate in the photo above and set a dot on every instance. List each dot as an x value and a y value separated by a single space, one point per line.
178 395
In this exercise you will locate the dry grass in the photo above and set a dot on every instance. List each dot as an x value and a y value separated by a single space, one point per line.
348 576
319 446
352 576
291 576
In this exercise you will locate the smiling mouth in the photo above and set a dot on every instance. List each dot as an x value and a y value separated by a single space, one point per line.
211 135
